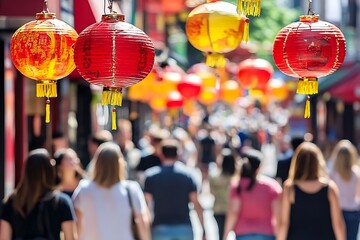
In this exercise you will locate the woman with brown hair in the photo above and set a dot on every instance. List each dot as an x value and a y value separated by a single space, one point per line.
68 169
105 203
346 175
34 210
310 206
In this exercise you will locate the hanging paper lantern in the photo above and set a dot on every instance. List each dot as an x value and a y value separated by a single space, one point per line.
254 73
216 28
189 107
140 91
190 86
230 91
259 95
43 51
174 100
277 89
208 96
115 55
307 50
158 104
249 7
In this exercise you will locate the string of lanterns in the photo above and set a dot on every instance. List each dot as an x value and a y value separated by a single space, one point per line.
115 55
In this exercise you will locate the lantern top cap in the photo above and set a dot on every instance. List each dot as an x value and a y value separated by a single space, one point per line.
112 17
309 18
45 15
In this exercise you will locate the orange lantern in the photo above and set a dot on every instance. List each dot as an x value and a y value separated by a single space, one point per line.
254 73
216 28
230 91
277 89
158 104
43 51
167 82
208 96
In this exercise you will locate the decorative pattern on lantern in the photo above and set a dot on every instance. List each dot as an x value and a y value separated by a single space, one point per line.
43 51
115 55
216 28
307 50
254 73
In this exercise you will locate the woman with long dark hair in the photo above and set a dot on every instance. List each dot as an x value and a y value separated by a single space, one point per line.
253 202
35 210
68 170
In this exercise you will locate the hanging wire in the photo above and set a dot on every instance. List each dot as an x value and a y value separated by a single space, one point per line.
110 6
310 10
45 7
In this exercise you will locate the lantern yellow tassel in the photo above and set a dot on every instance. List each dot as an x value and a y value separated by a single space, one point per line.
307 86
113 119
215 60
112 96
249 7
47 111
246 30
307 108
46 89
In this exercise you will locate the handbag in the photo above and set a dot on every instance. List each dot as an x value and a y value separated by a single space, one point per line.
134 229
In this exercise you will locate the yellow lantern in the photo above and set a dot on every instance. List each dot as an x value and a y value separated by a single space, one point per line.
208 79
208 96
277 89
43 50
158 104
258 94
230 91
216 28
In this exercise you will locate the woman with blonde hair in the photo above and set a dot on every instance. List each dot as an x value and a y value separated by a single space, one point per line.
346 175
34 210
310 207
104 205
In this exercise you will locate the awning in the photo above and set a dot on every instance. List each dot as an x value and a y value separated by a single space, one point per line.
346 85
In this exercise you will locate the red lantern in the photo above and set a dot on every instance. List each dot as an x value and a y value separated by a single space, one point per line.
254 73
115 55
43 50
307 50
174 100
190 86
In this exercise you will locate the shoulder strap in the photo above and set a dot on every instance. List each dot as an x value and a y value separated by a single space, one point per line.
129 197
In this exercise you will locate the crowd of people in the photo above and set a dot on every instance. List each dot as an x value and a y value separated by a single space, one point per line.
148 189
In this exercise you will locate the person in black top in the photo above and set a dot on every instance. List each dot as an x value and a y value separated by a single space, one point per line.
310 206
283 165
34 210
153 159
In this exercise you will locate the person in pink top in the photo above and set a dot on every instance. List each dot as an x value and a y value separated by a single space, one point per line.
253 202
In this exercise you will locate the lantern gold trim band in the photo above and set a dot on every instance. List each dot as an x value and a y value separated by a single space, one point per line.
111 96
